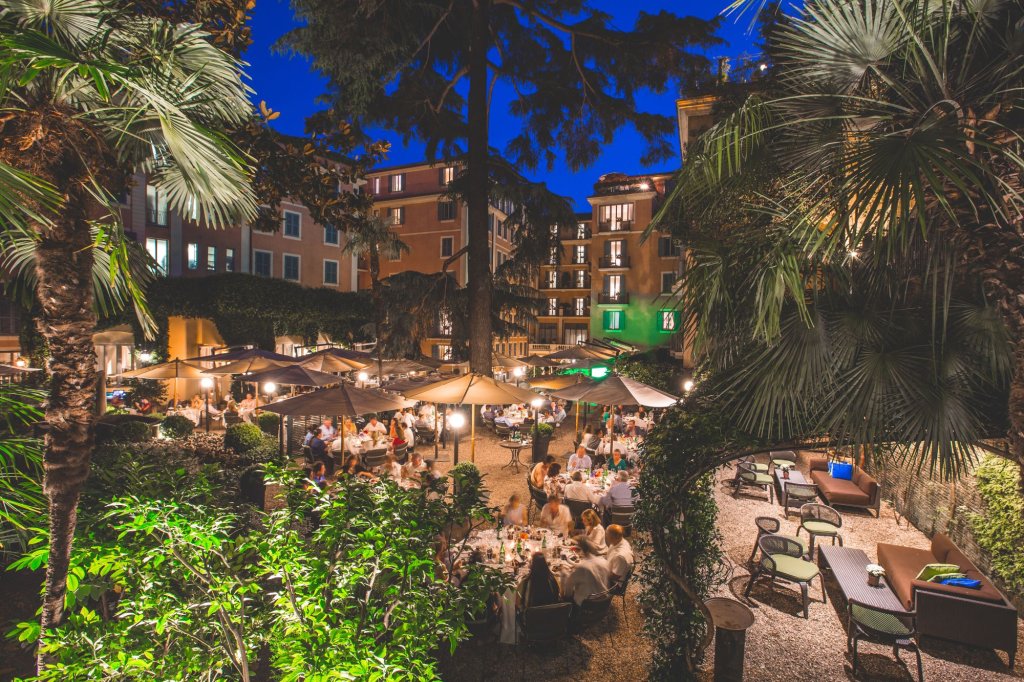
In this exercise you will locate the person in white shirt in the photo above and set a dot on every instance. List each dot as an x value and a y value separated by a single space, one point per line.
590 576
409 435
413 467
620 494
391 468
514 513
620 554
578 490
558 411
374 426
408 418
593 530
247 407
556 516
580 460
327 430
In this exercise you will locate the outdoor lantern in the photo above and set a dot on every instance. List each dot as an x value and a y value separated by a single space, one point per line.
457 420
206 383
599 372
270 387
518 371
537 402
363 377
145 356
20 362
688 385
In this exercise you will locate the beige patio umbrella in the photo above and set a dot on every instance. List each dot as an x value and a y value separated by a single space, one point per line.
253 363
13 370
296 375
471 389
540 361
577 353
175 369
243 354
398 367
326 362
578 381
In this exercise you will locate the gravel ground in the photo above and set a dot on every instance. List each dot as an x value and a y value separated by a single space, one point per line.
781 645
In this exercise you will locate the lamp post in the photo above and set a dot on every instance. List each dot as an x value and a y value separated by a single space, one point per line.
145 357
270 388
207 384
362 377
456 421
518 373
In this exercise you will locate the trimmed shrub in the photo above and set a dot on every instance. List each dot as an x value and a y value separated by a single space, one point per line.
243 438
177 426
131 432
269 423
544 429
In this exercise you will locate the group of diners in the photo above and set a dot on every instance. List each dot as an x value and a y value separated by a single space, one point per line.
415 473
196 409
513 416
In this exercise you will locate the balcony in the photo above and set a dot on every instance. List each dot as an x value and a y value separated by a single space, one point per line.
575 234
565 311
615 226
565 285
612 262
606 298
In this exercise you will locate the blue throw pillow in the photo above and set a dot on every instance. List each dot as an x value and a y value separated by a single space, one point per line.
842 470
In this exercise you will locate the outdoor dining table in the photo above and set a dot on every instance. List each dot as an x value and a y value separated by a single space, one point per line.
514 446
499 550
629 447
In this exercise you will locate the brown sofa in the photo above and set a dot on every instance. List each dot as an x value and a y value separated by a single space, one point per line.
982 618
860 491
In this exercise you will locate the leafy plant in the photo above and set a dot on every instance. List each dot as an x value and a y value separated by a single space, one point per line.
999 531
132 431
177 426
268 422
543 430
243 438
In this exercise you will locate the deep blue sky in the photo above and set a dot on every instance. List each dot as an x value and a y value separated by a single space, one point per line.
288 85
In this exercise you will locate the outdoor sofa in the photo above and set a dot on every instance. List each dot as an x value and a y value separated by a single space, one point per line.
982 618
860 491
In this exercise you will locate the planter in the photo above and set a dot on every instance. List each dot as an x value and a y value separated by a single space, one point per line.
540 446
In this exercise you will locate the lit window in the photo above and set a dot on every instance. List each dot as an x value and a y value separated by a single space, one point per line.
552 306
616 217
291 267
331 272
446 175
331 235
157 249
668 320
446 210
156 206
263 263
292 224
211 257
229 260
396 182
447 246
396 215
614 320
192 253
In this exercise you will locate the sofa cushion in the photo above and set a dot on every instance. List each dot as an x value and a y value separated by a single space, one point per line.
839 491
865 482
842 470
902 564
929 571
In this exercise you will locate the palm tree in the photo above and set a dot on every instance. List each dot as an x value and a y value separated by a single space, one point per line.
372 236
90 92
854 230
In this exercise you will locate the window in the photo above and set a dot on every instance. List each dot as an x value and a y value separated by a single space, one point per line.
574 334
615 217
376 184
292 225
581 279
447 246
668 282
229 260
613 285
290 269
156 206
331 235
552 306
10 318
211 257
263 263
192 254
444 322
157 249
615 253
396 182
667 247
582 232
396 215
614 320
547 333
553 255
446 210
551 280
668 320
445 175
579 306
441 352
331 272
579 254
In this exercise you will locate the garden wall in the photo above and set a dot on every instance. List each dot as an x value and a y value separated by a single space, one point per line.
955 508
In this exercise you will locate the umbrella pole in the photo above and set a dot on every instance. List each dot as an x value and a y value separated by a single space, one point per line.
472 433
577 411
437 431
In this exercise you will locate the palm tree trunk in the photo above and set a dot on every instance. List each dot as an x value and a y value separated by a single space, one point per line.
479 283
378 305
64 262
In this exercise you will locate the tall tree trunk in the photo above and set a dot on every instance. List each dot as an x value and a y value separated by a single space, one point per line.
479 252
378 307
64 261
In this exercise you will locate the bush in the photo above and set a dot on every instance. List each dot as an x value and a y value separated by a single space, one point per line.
177 426
243 438
543 429
1000 530
269 422
131 432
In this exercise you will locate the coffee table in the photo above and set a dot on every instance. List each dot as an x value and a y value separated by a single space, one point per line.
794 477
848 568
515 446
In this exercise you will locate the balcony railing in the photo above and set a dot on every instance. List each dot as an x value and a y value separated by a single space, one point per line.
576 234
565 311
574 284
616 226
609 262
621 297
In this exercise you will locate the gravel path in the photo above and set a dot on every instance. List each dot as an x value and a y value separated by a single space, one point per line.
781 645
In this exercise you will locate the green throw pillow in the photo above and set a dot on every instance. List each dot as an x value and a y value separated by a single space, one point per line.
942 576
932 570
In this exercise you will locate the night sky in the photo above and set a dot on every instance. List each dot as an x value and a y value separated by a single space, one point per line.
288 85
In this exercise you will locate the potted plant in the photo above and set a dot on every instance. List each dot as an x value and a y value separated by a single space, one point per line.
875 573
542 434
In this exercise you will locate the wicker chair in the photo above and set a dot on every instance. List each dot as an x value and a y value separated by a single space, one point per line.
622 516
502 431
402 454
375 458
769 525
782 458
897 629
796 495
747 476
619 590
538 498
783 557
820 519
594 609
577 507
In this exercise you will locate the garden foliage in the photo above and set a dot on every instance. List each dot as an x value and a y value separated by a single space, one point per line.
243 438
1000 530
177 426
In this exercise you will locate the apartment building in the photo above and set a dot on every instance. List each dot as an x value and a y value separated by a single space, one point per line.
603 283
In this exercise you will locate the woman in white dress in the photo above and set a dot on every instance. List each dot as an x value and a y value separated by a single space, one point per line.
514 513
594 531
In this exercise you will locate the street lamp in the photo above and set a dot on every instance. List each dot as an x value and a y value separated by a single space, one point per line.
518 372
688 385
207 384
145 357
457 420
363 377
21 362
270 388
